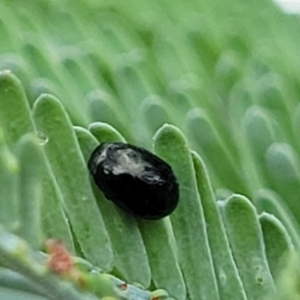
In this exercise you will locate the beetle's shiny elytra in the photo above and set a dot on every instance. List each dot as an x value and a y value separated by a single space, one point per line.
134 179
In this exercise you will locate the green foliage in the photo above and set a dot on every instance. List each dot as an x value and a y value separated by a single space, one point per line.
209 88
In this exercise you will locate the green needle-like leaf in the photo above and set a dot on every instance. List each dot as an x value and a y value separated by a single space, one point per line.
246 241
153 114
9 168
270 202
54 219
70 171
207 141
188 220
258 128
229 282
277 243
282 163
158 238
102 107
15 116
30 190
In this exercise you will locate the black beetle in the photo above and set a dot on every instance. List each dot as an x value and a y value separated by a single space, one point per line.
135 179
